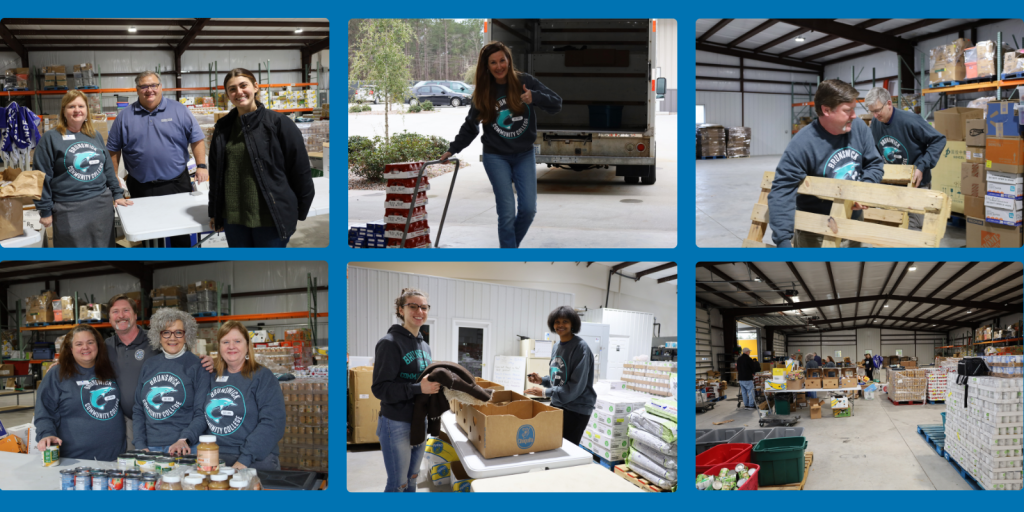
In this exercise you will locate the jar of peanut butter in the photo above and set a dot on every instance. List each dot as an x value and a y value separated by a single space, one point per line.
208 455
170 483
219 483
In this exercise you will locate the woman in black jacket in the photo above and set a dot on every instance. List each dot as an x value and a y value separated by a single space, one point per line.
260 185
869 366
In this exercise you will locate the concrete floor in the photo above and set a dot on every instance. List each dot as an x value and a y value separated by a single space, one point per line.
366 471
11 419
589 209
726 191
876 449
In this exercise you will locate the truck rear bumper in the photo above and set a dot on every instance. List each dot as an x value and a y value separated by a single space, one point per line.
595 160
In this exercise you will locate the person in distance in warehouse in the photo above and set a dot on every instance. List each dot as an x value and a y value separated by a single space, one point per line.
745 370
905 138
836 145
153 136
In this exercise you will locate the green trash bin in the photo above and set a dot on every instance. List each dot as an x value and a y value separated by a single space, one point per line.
781 407
781 460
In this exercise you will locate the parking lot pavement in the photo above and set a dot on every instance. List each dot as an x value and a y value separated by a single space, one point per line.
588 209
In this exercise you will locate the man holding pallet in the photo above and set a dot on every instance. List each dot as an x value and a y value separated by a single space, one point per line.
836 145
905 138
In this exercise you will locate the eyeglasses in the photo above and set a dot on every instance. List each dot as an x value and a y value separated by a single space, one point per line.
417 306
147 86
168 334
873 112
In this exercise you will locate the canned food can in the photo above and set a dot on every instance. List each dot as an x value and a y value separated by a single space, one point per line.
131 480
83 480
126 461
147 483
67 480
51 456
99 480
115 481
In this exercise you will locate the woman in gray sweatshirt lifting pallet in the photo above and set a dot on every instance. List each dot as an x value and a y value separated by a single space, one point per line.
79 401
81 186
172 387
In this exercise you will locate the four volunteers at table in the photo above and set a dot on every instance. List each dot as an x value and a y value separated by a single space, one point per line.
259 174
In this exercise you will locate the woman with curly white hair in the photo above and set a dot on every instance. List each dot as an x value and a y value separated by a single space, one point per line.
168 413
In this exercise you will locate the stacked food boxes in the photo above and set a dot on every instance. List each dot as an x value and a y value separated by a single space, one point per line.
202 297
653 438
304 445
739 142
1013 62
169 297
15 79
937 382
908 385
711 140
315 134
93 313
985 429
947 61
651 377
55 77
291 99
64 310
84 76
370 236
40 307
606 434
398 206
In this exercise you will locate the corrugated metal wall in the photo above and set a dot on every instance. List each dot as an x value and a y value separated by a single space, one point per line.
511 311
667 51
639 326
704 361
779 344
883 342
767 115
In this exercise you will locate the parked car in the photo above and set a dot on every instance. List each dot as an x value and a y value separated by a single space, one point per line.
368 94
439 95
454 85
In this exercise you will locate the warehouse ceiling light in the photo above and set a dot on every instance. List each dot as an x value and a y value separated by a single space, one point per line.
800 39
298 31
132 29
912 269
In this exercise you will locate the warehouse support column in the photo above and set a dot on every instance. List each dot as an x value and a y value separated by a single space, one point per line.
769 344
729 331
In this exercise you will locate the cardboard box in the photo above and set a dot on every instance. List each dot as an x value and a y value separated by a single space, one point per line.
974 132
981 234
839 402
951 122
976 154
1006 185
848 382
793 385
972 179
1004 154
364 407
511 424
829 383
1000 210
11 218
974 206
813 383
814 373
946 173
841 413
6 370
1003 120
815 412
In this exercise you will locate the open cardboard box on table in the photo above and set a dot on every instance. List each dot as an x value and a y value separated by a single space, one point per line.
831 379
510 424
453 405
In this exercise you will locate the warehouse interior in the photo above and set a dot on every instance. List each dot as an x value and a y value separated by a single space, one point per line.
484 314
758 78
918 316
41 59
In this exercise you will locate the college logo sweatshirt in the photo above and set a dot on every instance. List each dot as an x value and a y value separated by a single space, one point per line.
169 401
399 359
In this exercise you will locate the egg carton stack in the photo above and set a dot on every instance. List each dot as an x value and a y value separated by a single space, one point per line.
985 429
653 442
605 435
399 206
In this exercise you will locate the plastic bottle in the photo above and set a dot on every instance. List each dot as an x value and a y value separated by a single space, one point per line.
219 483
208 455
170 483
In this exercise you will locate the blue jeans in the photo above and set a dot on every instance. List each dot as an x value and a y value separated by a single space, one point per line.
747 390
504 171
401 460
241 236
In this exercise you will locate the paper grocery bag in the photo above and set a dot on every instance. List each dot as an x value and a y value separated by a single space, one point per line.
28 184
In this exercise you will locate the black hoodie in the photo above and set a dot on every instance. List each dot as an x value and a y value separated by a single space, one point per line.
398 361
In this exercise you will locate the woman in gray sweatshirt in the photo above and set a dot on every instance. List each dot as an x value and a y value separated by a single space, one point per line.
570 384
172 387
81 186
245 405
79 406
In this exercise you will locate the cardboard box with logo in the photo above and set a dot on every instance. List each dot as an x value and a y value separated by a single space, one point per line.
974 132
1004 154
947 171
511 424
6 370
363 407
952 122
976 154
981 234
1002 210
1003 120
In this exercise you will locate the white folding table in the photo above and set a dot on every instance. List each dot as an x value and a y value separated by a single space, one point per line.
478 467
25 472
152 218
589 478
30 238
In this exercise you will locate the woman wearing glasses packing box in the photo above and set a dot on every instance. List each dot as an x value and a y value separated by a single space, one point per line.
400 357
168 412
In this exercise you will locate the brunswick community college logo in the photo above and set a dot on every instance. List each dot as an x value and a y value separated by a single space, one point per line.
83 161
163 395
893 151
508 124
100 399
844 164
557 371
225 410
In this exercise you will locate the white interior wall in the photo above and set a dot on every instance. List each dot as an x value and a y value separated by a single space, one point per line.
869 339
242 276
586 284
767 115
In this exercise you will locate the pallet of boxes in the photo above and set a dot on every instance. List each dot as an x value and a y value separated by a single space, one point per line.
650 377
15 79
201 297
908 386
169 297
652 459
739 142
606 433
304 445
39 308
985 424
711 141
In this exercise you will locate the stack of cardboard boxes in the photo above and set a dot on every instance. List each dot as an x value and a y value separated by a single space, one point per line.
711 140
651 377
55 77
84 77
15 79
606 434
169 297
739 142
304 445
202 297
64 310
1004 163
980 61
40 308
947 62
1013 62
910 385
93 313
363 406
983 429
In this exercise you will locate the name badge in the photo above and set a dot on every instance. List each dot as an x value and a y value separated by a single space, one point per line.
222 379
69 136
166 120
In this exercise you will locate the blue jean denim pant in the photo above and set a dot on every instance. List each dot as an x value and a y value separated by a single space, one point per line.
504 171
747 390
401 460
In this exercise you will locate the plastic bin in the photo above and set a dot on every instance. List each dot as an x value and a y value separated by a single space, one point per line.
751 436
724 454
605 117
782 407
751 484
778 432
781 460
716 437
943 419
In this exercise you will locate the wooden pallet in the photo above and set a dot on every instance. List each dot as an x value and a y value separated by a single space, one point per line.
935 205
808 458
623 471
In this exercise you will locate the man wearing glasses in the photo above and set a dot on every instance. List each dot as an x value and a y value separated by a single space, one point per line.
905 138
129 348
153 136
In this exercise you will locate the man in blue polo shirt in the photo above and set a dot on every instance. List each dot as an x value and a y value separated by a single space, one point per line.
153 135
